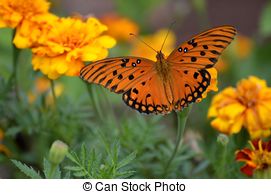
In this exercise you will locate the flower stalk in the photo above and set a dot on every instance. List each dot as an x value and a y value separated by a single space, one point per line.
181 119
52 83
94 101
15 57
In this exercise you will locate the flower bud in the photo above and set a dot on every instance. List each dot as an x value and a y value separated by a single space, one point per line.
58 152
223 139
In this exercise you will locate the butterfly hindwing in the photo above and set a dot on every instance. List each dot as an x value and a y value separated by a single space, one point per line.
148 96
117 74
188 85
203 50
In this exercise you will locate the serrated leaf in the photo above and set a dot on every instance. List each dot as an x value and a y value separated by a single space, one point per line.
74 168
46 168
28 171
125 174
126 160
72 158
67 175
80 174
83 154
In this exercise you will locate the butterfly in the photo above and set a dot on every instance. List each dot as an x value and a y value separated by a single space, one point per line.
166 84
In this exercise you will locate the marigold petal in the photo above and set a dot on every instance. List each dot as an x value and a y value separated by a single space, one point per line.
227 126
263 115
243 155
231 111
252 120
106 41
3 23
248 170
21 41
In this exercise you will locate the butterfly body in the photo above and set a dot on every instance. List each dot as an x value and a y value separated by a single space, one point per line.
162 67
169 83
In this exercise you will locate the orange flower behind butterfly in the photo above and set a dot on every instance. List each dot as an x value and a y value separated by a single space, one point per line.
248 105
256 159
30 18
156 41
119 27
65 47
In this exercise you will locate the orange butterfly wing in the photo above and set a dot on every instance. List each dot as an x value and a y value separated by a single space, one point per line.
134 77
117 74
190 60
140 84
203 50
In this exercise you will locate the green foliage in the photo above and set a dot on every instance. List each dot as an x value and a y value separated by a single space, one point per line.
28 171
93 165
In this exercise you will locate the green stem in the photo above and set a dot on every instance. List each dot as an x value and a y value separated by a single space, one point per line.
110 112
95 104
52 170
182 118
52 83
13 77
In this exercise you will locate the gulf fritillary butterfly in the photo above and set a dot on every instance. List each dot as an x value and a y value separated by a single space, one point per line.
169 83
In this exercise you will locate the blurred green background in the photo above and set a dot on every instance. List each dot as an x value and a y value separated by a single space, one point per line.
124 142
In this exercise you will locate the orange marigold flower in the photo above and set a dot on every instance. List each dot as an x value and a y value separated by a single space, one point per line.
65 47
119 27
3 148
243 46
248 105
256 159
30 18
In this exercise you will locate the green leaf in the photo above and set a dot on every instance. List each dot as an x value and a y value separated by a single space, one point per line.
73 168
28 171
80 174
128 159
56 174
46 168
265 24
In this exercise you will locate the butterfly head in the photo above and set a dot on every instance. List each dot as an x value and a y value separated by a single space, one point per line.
160 56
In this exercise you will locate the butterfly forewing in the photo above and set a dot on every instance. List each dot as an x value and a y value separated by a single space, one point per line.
190 61
203 50
117 74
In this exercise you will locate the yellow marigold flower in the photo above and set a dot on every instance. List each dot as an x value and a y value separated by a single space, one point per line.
14 12
248 105
119 27
30 18
256 159
65 47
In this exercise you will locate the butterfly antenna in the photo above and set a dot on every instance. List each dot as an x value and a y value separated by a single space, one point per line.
143 42
170 27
